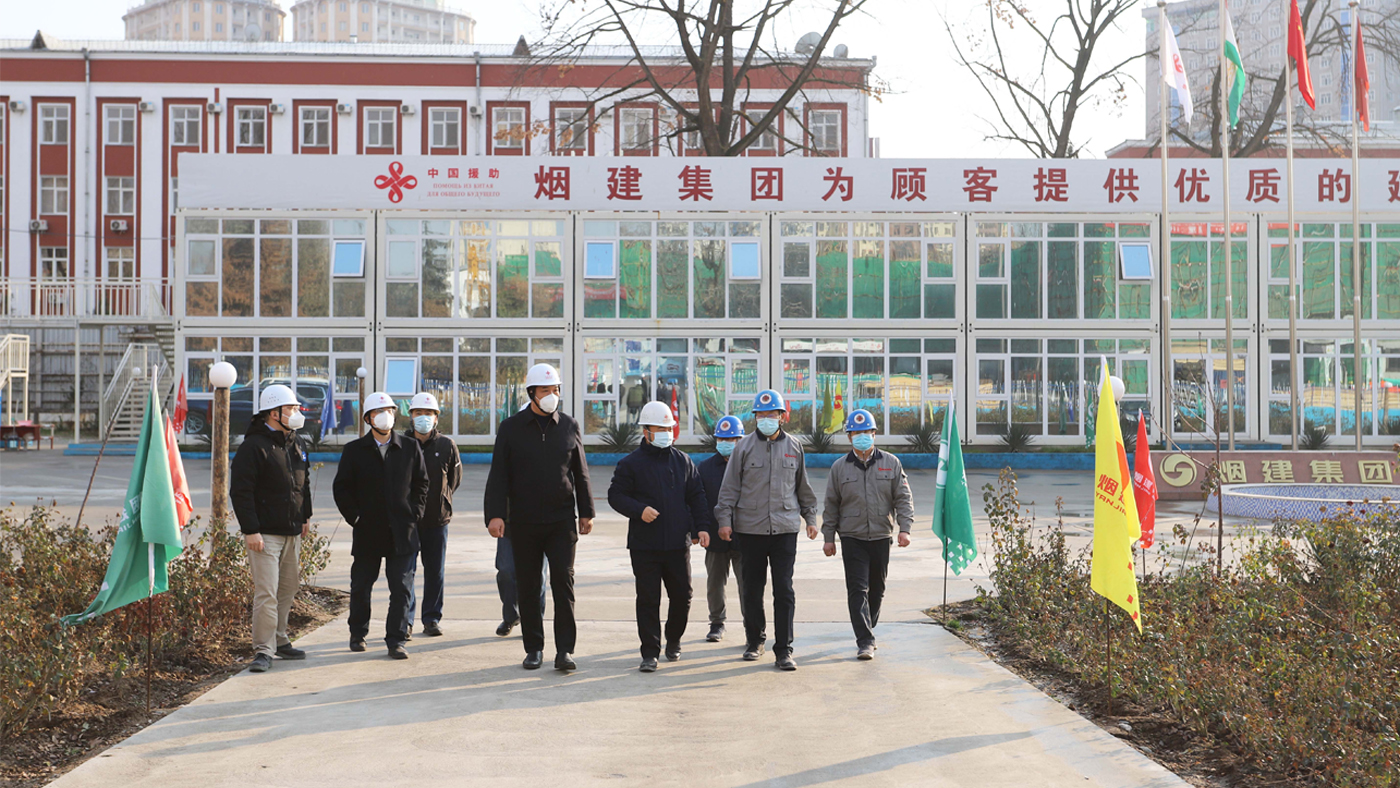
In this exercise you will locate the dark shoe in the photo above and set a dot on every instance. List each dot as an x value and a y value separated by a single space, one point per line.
648 665
753 652
260 664
565 662
533 660
866 652
432 630
409 636
716 633
290 652
398 652
785 663
357 644
673 653
505 628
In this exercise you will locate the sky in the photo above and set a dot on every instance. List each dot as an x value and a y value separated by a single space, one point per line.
934 108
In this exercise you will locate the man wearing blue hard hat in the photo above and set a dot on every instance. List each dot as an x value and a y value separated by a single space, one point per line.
762 502
867 494
721 555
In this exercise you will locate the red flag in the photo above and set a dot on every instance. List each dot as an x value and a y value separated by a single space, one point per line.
182 407
1144 485
183 506
1298 50
1363 80
675 414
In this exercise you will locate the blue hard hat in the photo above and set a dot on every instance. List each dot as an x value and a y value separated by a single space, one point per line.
729 427
768 399
860 420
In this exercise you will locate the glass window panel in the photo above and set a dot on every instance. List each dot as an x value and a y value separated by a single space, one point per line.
797 376
829 410
1062 395
743 260
1318 281
1135 301
940 260
1344 264
991 417
547 300
635 277
710 398
349 258
1238 275
745 375
401 344
940 345
238 227
709 229
744 229
313 277
796 300
474 278
402 227
599 261
202 299
797 259
1388 286
635 389
991 301
401 299
510 386
403 259
831 277
437 278
547 260
672 279
1136 260
796 228
275 227
1100 281
238 277
673 229
940 301
1189 279
868 280
709 275
905 279
349 299
867 387
991 376
344 226
512 278
473 395
1026 395
940 382
634 229
1025 279
201 258
600 298
205 226
744 299
831 230
989 260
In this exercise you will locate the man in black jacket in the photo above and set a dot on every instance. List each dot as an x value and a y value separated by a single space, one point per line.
721 555
658 490
271 498
381 489
538 479
444 475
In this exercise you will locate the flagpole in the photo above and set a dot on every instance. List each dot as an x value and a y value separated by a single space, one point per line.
1166 256
150 566
1108 649
951 414
1292 262
1229 275
1356 211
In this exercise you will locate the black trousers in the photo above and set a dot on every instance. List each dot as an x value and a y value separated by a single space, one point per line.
364 573
867 566
653 568
759 553
533 544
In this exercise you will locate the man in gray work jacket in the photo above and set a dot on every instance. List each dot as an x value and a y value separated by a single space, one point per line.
762 501
866 494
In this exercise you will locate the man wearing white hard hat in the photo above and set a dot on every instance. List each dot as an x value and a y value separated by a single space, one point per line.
658 489
537 486
269 488
444 476
381 488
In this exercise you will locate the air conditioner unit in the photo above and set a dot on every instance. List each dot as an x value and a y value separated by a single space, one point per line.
345 109
277 109
214 108
118 225
474 111
407 109
147 106
38 226
16 106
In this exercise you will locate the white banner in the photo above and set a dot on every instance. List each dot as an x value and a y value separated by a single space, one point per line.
209 181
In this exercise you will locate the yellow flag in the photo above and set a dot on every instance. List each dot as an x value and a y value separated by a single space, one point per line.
1115 510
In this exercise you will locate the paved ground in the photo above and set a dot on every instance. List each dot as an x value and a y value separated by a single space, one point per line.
928 711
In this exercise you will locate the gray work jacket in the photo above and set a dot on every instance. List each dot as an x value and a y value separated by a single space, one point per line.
864 503
765 489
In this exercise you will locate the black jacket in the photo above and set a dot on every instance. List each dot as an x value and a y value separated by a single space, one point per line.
667 481
712 476
269 483
444 476
538 475
382 497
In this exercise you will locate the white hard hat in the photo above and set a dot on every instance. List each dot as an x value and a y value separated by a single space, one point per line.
424 401
275 396
657 414
376 401
542 375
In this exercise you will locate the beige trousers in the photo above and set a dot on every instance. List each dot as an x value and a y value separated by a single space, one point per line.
276 577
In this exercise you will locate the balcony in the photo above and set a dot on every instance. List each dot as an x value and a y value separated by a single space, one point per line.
123 300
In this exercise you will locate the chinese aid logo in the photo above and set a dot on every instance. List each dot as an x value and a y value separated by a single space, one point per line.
395 182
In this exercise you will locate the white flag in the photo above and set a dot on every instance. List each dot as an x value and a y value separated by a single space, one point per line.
1174 74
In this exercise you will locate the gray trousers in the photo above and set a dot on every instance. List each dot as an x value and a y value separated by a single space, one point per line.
717 566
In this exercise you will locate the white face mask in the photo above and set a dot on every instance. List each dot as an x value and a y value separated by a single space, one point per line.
383 421
295 421
548 403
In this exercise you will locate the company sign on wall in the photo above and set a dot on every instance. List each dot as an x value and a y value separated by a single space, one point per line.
212 181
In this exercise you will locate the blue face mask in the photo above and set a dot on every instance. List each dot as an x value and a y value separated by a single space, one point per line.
863 442
725 448
423 424
662 440
767 426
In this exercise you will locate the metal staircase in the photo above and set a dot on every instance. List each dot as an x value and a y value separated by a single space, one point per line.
127 394
14 368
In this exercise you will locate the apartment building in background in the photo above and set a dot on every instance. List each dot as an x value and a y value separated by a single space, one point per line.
205 20
381 21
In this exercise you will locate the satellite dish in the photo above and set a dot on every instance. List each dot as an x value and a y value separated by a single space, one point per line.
252 33
840 50
807 44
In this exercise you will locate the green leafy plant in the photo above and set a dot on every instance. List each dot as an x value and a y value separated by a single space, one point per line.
707 443
1314 438
622 437
1128 425
1018 437
819 441
925 436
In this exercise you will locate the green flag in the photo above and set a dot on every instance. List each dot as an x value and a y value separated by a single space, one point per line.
148 536
1237 84
952 509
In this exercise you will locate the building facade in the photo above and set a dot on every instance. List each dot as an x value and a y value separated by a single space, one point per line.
205 20
381 21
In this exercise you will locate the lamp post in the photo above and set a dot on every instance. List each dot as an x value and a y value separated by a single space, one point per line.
222 376
362 374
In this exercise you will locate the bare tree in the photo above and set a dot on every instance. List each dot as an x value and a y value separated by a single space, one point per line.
1037 108
704 44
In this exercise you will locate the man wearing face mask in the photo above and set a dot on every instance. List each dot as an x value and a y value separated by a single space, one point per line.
381 488
762 502
867 493
658 490
721 554
271 497
538 483
444 475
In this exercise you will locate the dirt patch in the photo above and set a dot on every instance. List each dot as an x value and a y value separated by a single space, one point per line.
113 705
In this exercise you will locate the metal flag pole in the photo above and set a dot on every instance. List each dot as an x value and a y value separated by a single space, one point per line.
1356 212
1224 117
1293 373
1165 259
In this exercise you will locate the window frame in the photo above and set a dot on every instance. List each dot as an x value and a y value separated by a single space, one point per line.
181 122
645 111
433 124
121 119
53 119
58 193
316 119
255 121
495 147
842 125
123 189
587 139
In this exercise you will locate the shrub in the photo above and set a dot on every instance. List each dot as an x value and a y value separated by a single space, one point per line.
819 441
1313 438
1018 437
925 436
621 437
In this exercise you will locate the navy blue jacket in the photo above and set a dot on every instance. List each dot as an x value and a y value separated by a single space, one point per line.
667 481
712 476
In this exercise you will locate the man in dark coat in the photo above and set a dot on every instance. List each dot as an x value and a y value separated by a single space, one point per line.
444 476
658 490
381 488
538 481
721 555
